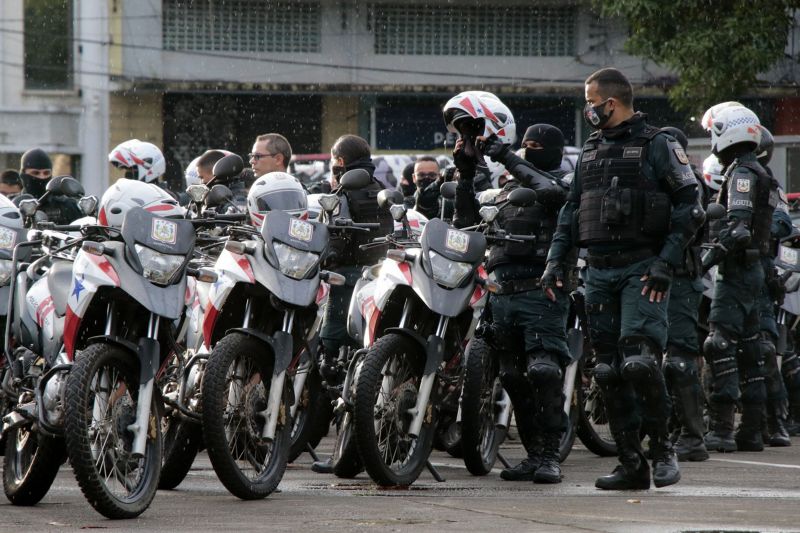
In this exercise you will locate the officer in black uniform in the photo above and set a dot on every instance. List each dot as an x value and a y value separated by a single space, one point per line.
683 345
528 329
633 204
733 346
349 152
36 170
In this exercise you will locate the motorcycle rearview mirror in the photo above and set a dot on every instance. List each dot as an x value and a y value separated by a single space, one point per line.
218 195
88 205
398 211
65 186
197 193
488 213
448 190
715 211
522 197
228 167
387 198
28 207
358 178
328 202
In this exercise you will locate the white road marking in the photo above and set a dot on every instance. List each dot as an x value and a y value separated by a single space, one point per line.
757 463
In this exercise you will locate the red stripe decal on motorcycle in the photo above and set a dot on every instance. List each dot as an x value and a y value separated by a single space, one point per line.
101 217
160 207
71 324
322 292
373 324
208 324
477 295
406 270
103 264
244 264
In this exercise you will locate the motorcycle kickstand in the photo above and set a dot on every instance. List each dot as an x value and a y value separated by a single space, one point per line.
312 452
435 473
503 460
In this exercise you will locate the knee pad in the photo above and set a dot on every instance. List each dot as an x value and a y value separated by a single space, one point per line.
790 368
680 368
717 342
640 359
605 375
749 353
544 368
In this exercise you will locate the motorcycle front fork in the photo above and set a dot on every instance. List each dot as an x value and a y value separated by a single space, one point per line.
426 386
148 360
282 348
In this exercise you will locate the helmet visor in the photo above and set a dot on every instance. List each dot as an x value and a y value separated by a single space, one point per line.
285 200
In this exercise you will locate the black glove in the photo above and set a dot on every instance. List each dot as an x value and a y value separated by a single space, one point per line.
735 236
494 148
465 158
775 286
659 276
553 275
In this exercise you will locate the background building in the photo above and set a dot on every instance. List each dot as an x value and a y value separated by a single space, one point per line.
77 77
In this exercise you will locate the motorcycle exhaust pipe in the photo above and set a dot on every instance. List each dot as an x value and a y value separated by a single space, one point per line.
569 385
504 416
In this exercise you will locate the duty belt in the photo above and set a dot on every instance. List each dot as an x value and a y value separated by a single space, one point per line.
619 259
514 286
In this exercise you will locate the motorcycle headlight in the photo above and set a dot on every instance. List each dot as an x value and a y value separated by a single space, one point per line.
5 272
448 273
158 268
293 262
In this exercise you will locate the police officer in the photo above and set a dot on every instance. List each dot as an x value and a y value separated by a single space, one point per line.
683 346
634 206
733 347
349 152
776 432
36 170
520 311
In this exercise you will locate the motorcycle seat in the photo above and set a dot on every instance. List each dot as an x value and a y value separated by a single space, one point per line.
59 279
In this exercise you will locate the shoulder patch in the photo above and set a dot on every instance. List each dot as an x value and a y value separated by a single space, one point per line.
591 155
742 185
681 155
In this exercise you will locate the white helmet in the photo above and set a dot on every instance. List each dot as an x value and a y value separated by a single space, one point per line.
191 175
276 191
713 172
713 111
125 194
144 159
734 125
483 108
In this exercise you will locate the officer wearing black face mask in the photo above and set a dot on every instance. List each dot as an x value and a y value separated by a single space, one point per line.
427 180
532 371
36 170
407 185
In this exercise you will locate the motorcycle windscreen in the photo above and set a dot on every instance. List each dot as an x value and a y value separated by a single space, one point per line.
439 240
301 234
165 236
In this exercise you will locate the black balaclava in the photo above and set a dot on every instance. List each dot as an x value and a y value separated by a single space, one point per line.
407 183
38 159
551 140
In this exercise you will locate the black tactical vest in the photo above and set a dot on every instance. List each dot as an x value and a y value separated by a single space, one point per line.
619 204
532 220
363 207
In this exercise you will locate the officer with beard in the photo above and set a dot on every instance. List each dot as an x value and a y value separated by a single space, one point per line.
532 371
633 204
36 170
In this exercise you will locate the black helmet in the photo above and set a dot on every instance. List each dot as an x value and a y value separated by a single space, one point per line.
765 146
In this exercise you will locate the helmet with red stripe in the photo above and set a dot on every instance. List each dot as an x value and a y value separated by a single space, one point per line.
480 113
126 193
143 160
276 191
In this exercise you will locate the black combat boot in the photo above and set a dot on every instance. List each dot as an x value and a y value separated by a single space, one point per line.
633 472
550 470
748 434
665 464
689 404
793 422
525 470
776 415
720 436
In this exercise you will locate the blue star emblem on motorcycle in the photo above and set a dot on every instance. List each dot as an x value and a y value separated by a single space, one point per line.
76 290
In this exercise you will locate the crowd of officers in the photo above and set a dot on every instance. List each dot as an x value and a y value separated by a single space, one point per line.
638 209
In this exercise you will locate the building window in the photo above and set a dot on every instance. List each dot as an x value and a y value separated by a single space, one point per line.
476 30
242 25
48 44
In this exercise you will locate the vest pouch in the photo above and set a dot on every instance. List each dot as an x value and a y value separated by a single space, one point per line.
611 212
523 221
656 213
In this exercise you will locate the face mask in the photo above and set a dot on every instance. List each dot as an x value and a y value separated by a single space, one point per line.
408 189
33 185
595 116
543 158
423 183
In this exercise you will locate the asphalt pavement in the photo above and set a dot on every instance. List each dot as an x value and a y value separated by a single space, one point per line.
731 492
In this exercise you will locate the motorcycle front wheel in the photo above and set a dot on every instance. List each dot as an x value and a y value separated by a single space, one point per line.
386 391
593 428
101 403
235 393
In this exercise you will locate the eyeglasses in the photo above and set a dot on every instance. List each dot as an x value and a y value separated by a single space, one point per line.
39 173
427 175
256 156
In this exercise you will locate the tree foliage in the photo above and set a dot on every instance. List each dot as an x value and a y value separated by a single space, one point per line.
716 47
